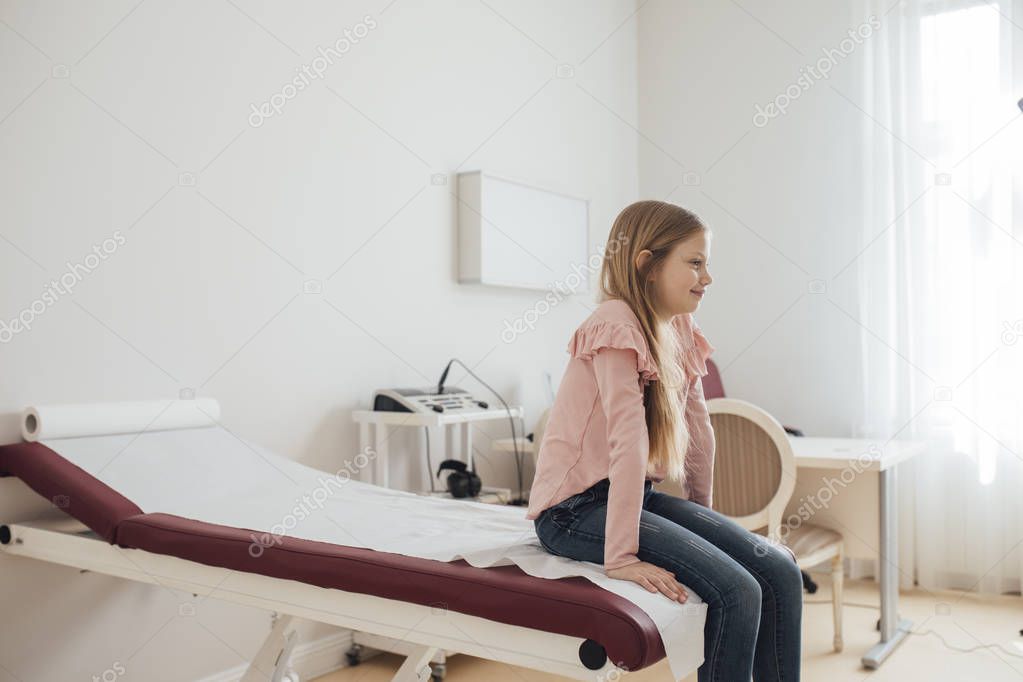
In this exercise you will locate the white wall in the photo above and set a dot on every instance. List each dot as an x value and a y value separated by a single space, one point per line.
130 122
784 200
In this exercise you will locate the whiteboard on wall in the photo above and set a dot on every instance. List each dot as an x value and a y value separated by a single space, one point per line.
515 235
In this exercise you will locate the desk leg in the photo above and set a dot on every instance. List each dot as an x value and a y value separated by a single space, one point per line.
893 630
382 474
363 449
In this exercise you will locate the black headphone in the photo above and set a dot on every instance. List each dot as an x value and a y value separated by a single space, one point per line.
462 482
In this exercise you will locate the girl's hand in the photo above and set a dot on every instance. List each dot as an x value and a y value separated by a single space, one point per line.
653 578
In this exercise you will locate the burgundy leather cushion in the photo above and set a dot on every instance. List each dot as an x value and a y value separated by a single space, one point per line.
712 386
68 487
569 606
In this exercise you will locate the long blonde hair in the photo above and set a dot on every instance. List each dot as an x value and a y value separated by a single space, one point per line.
656 226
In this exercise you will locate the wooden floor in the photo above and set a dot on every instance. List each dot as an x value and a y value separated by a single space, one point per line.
963 620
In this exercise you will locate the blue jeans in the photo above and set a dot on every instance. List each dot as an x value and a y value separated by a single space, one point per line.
753 589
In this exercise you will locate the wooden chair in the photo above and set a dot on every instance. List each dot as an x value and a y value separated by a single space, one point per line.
754 478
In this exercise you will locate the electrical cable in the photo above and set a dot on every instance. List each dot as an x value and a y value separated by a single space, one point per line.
429 464
875 607
518 501
969 650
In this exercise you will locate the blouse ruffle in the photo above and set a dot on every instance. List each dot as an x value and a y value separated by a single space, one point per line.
694 349
591 337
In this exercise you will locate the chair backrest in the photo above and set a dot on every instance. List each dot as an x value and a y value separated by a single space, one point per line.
754 468
541 426
712 386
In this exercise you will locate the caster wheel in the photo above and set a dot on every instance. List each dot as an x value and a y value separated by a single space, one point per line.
354 655
438 671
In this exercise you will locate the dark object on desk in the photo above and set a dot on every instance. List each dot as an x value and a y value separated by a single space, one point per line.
713 388
461 482
424 400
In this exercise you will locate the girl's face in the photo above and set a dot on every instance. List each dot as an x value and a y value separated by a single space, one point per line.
680 284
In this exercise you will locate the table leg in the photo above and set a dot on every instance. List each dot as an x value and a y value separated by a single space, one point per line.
893 630
363 445
382 474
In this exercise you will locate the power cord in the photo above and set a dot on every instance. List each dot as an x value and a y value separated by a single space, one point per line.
518 501
971 649
923 633
429 464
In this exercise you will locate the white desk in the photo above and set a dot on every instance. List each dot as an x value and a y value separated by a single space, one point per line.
859 455
460 422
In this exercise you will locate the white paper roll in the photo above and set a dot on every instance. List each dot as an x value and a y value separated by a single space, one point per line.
46 422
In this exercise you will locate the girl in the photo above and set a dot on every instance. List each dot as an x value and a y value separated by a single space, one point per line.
630 411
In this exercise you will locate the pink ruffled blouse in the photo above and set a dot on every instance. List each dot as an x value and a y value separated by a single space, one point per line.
597 426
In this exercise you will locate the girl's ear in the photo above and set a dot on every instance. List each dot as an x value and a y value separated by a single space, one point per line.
642 257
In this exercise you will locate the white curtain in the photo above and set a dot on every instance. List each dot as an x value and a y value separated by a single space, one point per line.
940 280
